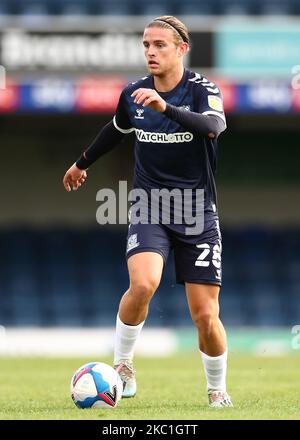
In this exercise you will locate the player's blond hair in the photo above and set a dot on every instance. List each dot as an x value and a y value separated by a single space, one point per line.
179 29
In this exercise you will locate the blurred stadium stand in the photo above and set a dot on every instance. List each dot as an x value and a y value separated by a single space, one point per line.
136 7
65 277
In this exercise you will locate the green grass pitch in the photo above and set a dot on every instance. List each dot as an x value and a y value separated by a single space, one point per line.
168 388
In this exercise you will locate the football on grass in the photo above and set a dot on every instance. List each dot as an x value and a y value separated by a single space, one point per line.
96 385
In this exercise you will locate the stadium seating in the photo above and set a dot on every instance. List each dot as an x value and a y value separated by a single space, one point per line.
72 7
155 8
275 7
76 278
136 7
5 8
237 7
194 7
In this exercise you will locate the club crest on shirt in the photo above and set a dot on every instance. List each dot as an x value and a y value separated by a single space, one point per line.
215 103
139 113
132 242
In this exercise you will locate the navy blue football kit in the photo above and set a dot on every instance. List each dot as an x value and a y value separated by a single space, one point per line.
173 151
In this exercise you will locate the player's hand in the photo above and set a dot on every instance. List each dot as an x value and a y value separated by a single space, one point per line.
149 98
74 178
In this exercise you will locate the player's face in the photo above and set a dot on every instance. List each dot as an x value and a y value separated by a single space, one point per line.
161 52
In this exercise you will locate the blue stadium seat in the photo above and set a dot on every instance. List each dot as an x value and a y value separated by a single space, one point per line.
275 316
7 317
26 308
5 8
65 307
171 307
295 7
274 7
196 7
33 7
6 304
292 303
74 8
155 8
113 7
237 7
231 302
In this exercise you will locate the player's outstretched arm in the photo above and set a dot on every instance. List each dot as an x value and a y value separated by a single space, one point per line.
105 141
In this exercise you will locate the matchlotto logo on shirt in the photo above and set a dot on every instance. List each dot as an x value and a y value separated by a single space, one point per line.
163 138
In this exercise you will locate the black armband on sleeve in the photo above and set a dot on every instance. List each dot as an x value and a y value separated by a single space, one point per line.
202 125
105 141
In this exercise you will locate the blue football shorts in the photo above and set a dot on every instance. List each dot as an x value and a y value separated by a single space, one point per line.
197 257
